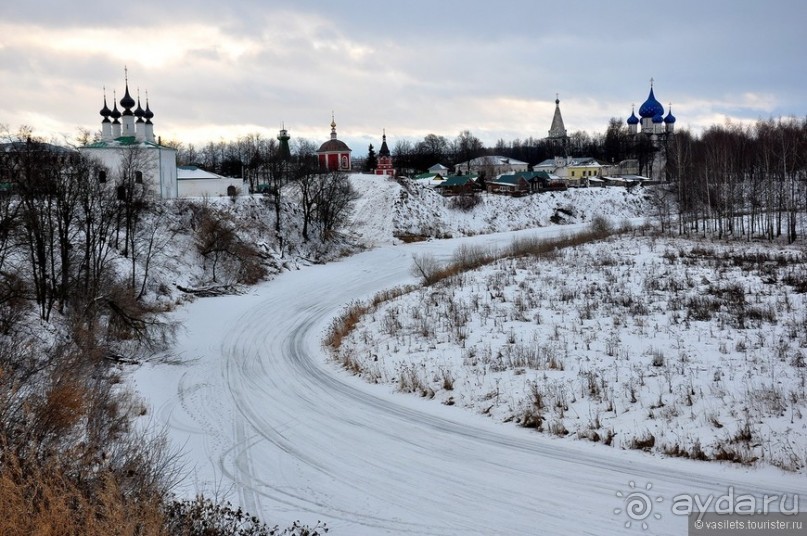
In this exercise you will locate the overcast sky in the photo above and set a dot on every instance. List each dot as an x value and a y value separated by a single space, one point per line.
218 70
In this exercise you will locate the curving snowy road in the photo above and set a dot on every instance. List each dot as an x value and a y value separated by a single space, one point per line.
265 420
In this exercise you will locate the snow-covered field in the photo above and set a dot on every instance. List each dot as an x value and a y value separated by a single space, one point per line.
266 420
671 346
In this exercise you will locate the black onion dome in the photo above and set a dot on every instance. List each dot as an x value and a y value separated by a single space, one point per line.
139 113
127 101
148 114
115 114
105 111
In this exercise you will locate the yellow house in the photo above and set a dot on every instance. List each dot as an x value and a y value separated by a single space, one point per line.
578 172
575 171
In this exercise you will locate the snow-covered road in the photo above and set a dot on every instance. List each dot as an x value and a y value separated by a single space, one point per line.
265 420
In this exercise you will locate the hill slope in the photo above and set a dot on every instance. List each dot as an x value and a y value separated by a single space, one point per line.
388 209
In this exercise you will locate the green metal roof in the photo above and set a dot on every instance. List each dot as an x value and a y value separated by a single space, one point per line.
457 180
506 179
123 141
530 175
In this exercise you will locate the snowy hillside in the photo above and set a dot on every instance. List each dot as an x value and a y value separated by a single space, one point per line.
389 209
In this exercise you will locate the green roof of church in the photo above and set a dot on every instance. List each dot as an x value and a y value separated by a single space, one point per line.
123 141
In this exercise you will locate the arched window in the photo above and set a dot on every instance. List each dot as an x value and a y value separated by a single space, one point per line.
139 177
102 176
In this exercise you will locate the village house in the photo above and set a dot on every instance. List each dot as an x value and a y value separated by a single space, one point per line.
439 169
429 179
525 182
575 171
491 166
458 185
193 181
510 184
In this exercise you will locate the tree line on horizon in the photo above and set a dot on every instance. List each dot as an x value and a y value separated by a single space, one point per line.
736 179
231 158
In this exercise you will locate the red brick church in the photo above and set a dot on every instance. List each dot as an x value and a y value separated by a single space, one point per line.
334 155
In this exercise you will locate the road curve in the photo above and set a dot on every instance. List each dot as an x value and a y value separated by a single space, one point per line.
265 420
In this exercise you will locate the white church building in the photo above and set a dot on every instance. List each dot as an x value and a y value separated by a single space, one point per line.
127 146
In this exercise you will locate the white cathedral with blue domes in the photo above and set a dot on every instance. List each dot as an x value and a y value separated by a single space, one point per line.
652 120
653 127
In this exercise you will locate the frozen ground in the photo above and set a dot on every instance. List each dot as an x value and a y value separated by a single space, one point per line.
266 420
679 347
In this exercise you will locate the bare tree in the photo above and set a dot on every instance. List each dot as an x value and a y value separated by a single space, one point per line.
218 241
48 180
426 267
151 240
133 187
467 147
336 199
309 182
98 228
12 285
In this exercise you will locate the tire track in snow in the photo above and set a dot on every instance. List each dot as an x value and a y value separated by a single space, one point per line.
309 439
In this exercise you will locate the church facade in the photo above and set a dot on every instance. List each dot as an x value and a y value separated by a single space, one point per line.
334 154
128 150
650 134
384 159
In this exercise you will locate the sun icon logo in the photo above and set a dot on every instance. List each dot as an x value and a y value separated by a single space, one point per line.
638 505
